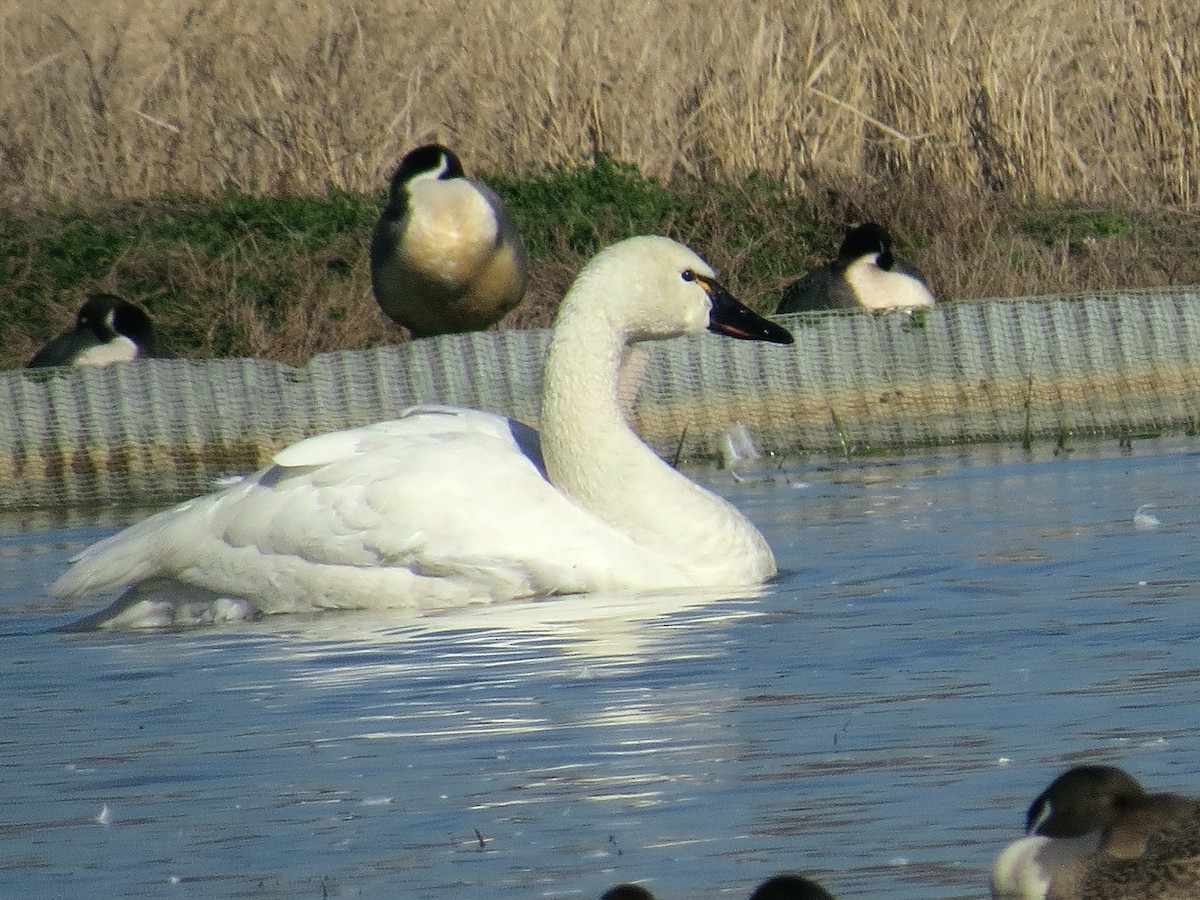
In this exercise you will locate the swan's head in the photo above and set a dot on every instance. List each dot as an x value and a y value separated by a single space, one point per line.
646 288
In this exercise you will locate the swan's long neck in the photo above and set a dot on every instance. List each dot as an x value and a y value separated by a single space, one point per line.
592 454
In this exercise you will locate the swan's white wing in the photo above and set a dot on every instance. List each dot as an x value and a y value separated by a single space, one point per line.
441 505
426 420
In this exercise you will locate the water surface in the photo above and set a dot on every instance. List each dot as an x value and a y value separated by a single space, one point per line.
947 633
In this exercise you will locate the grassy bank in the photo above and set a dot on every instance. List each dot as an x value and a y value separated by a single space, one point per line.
284 277
222 163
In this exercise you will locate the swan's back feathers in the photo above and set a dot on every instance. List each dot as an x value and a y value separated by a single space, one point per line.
415 423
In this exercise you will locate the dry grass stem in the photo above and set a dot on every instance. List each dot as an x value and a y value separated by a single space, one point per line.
1071 99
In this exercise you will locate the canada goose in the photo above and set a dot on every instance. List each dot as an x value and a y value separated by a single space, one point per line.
447 506
445 257
1095 833
865 275
108 329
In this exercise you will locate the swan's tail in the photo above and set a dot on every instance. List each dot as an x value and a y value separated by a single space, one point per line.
165 603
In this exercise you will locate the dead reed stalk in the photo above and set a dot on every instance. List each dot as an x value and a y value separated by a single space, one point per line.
1071 98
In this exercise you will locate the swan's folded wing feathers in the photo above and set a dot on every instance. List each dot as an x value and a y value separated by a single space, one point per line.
406 504
388 496
127 557
414 423
275 510
320 450
520 529
374 499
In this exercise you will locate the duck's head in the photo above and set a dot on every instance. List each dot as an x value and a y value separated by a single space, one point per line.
648 288
1082 800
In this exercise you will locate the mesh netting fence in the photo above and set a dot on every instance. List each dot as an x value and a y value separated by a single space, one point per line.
146 432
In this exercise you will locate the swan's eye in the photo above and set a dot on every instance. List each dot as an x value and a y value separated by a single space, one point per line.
688 275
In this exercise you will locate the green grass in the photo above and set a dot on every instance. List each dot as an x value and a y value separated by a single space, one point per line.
285 277
586 207
1056 223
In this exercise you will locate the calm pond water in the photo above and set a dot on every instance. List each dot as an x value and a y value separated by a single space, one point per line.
948 632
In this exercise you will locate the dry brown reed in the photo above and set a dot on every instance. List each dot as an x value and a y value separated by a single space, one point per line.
1081 99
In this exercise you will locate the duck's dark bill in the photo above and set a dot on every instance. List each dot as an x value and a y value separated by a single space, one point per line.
732 318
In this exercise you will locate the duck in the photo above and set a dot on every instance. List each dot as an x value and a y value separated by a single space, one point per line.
447 506
1096 833
784 886
445 256
108 329
865 275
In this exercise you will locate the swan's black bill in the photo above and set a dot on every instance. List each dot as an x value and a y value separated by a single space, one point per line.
734 319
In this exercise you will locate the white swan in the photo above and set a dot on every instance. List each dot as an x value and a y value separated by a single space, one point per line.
446 506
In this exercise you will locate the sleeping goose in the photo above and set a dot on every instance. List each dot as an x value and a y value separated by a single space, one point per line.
445 257
1096 834
865 275
447 506
108 329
